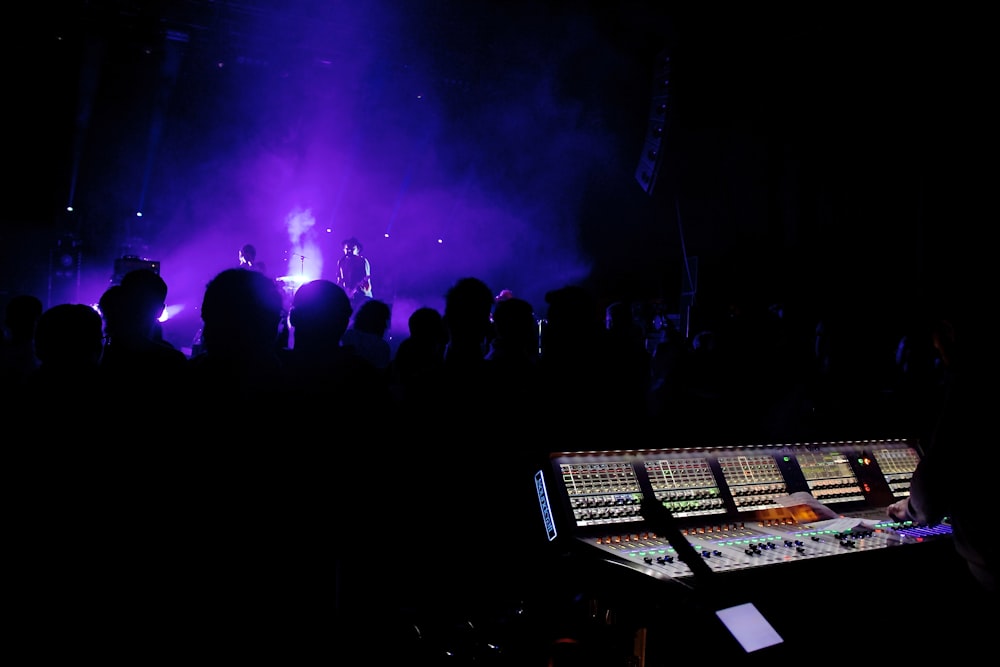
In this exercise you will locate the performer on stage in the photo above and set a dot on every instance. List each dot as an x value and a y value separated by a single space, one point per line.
354 273
248 262
248 258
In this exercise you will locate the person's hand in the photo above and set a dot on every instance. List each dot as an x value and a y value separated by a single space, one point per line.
899 510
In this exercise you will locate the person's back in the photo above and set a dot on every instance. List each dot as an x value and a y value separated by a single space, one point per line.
941 486
324 373
467 311
516 332
252 490
468 429
421 354
366 334
466 384
576 365
139 366
513 353
240 368
946 486
81 480
320 314
456 376
69 342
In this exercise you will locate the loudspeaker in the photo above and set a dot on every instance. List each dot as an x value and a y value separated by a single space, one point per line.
65 265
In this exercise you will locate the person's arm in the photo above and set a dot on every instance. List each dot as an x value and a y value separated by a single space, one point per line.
924 504
938 481
933 486
899 510
340 274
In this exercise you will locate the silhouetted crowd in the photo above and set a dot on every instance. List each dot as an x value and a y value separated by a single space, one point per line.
259 492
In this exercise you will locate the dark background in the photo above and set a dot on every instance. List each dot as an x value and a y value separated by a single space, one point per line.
825 159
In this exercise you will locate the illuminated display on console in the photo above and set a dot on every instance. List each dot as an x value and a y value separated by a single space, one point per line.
829 476
754 481
685 486
545 506
897 463
602 492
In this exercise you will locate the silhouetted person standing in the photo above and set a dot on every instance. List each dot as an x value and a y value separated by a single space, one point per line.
354 273
69 342
327 376
366 334
420 355
139 368
241 312
252 489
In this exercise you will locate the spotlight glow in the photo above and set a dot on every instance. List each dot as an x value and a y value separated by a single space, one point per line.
170 311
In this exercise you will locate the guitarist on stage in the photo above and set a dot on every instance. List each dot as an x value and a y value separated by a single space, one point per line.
354 273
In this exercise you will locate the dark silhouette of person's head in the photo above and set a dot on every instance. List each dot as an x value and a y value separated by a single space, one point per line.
248 255
240 369
114 309
68 385
516 328
366 335
143 297
148 281
572 321
579 363
427 324
373 317
148 284
69 336
467 316
352 246
140 370
320 313
241 312
419 357
326 375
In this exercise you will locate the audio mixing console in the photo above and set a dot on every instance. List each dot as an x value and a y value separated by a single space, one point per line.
736 507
